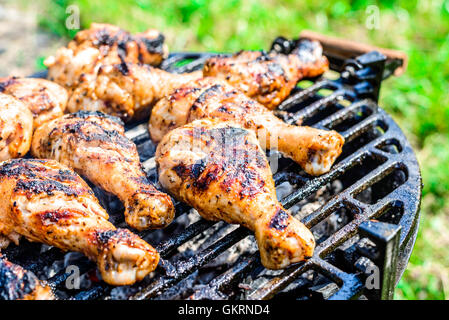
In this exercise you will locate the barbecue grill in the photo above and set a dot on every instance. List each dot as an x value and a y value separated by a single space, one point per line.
364 213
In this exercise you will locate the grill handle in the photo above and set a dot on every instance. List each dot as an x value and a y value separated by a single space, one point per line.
342 49
386 237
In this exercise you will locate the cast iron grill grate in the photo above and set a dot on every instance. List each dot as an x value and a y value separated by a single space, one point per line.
376 177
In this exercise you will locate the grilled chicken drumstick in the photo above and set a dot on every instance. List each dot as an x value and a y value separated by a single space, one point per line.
313 149
269 77
45 99
146 47
16 127
103 44
17 283
94 145
45 201
126 90
102 69
219 169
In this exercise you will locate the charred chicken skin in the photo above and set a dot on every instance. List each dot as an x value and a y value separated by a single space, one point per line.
220 169
45 99
17 283
147 47
126 90
44 201
94 145
103 44
107 69
313 149
16 127
269 77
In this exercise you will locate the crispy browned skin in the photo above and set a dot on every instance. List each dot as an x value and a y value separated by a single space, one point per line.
16 127
146 47
94 144
45 99
126 90
219 169
103 44
313 149
102 69
45 201
269 77
17 283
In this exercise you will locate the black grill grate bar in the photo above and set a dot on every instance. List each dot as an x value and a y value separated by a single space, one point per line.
275 285
345 113
184 268
93 293
171 63
374 176
166 247
325 211
358 156
349 284
303 94
361 127
226 279
172 60
364 210
337 238
318 182
191 66
388 201
316 106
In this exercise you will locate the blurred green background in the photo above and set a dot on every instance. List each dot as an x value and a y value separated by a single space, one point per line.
418 100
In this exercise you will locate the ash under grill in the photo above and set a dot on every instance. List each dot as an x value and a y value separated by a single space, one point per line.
376 177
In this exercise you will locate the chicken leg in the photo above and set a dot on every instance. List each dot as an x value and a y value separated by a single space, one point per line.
219 169
45 99
126 90
103 44
45 201
268 77
313 149
16 127
94 145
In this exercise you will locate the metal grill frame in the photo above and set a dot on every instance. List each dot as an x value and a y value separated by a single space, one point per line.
359 83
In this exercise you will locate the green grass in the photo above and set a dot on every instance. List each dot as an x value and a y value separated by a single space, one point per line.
418 100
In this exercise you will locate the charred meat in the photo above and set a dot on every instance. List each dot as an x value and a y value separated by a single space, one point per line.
17 283
103 44
269 77
44 201
94 145
313 149
220 169
45 99
126 90
16 127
